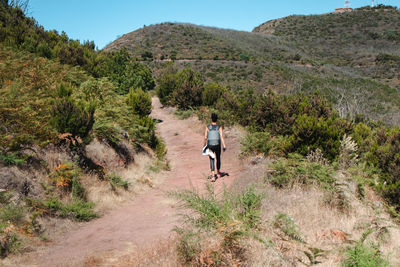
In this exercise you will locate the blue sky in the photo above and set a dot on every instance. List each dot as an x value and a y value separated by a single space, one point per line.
103 21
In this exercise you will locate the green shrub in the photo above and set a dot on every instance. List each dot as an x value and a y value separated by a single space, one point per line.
265 112
189 89
69 117
116 181
139 101
227 218
296 169
362 136
144 131
227 109
78 191
244 57
258 142
385 155
5 197
11 159
278 113
189 245
183 114
44 50
126 73
62 176
211 212
78 210
244 109
161 149
9 242
53 205
113 117
166 85
310 133
250 205
362 255
263 142
12 213
286 224
106 130
212 92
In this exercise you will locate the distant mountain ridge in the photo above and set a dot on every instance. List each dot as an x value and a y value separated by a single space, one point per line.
189 41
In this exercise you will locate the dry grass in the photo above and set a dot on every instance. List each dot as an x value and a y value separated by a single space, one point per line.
53 156
138 175
103 155
320 225
161 254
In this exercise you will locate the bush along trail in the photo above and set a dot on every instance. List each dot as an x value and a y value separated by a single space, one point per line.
150 216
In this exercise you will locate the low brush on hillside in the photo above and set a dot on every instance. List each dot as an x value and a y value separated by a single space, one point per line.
340 55
59 101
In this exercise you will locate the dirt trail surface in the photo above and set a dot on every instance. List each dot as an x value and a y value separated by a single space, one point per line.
149 216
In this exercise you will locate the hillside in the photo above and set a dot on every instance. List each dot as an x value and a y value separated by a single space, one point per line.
357 71
69 129
188 41
366 39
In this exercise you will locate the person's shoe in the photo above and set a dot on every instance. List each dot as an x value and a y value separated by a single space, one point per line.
215 178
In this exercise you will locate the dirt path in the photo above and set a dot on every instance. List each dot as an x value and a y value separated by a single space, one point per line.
150 216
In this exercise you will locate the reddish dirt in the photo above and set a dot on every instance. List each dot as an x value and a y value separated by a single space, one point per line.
150 216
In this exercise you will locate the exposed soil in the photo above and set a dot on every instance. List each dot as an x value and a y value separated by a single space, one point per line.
151 216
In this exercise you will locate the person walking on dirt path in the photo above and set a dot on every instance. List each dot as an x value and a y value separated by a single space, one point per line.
213 137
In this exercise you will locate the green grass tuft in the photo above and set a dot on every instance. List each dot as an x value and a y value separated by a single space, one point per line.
297 170
287 225
362 255
12 213
116 181
227 217
11 159
183 114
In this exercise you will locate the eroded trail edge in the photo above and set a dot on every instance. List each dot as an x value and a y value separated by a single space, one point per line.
150 216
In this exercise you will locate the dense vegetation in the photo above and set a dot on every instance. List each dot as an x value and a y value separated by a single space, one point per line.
281 124
364 41
38 87
349 38
312 145
357 77
54 90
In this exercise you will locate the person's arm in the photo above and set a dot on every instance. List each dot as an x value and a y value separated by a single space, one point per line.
222 138
205 136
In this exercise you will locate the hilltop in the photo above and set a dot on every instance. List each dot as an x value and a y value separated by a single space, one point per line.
349 57
189 41
366 39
